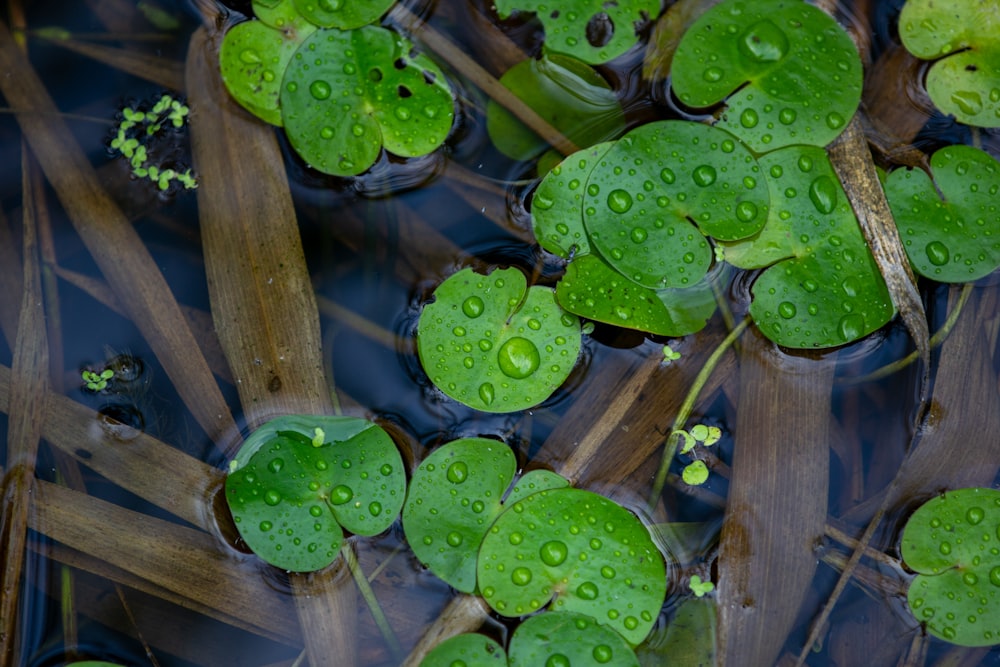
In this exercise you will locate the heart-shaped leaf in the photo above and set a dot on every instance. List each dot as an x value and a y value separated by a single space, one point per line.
298 479
951 541
963 38
343 14
346 94
823 288
468 649
950 227
653 195
590 554
787 72
494 344
595 31
567 638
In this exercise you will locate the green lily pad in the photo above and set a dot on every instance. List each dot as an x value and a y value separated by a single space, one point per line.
494 344
280 14
290 489
566 638
963 38
590 554
468 649
595 31
950 227
951 542
592 289
654 194
343 14
455 496
557 205
346 94
253 58
787 72
567 93
823 288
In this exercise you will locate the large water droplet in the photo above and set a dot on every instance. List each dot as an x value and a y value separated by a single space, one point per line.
823 193
638 235
319 89
995 576
265 526
704 175
276 464
473 306
542 202
975 515
553 553
587 591
518 358
521 576
852 327
746 211
249 56
602 653
608 572
375 508
667 175
763 42
787 116
786 309
749 118
712 74
969 101
557 660
937 253
457 472
340 494
619 201
272 497
454 538
834 120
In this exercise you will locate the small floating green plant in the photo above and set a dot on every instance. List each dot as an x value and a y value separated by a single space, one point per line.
951 542
298 481
495 344
962 37
134 133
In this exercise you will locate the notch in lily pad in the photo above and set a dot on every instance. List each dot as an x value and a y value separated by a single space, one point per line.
787 72
495 344
951 542
962 37
299 480
949 221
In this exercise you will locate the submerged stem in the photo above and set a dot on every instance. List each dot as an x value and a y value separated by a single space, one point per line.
685 410
373 606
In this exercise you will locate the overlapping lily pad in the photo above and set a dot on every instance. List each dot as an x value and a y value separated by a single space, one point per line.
343 14
823 288
455 496
653 196
963 38
595 31
950 227
346 94
591 555
786 71
951 541
495 344
298 479
466 650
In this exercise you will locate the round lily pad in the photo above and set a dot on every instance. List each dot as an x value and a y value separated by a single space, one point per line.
567 93
343 14
466 650
346 94
291 487
823 287
557 205
567 638
951 541
280 14
787 72
963 38
590 554
494 344
253 58
595 31
654 194
950 227
592 289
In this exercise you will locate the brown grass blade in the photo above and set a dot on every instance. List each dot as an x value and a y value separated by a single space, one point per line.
114 244
11 281
776 509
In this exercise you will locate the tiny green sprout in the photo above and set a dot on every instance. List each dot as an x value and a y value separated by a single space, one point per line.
720 253
234 465
165 109
695 473
706 435
97 381
700 588
318 436
669 354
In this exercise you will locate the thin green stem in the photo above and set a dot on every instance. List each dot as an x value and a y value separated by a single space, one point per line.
373 606
670 449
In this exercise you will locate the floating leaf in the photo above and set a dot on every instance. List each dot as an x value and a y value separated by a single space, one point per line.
280 14
950 227
592 289
963 38
592 555
346 94
567 93
823 288
566 638
652 192
343 14
253 58
951 541
787 72
494 344
688 639
466 650
290 497
595 31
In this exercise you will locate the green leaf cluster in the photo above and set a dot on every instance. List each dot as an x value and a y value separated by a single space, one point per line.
343 89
